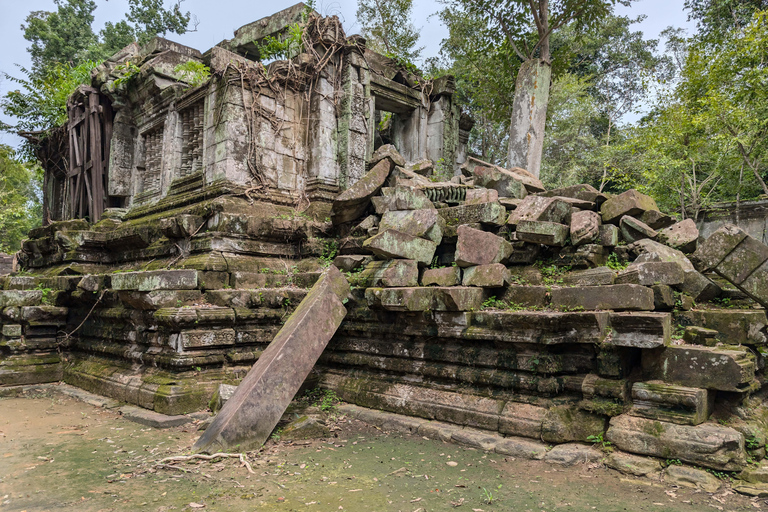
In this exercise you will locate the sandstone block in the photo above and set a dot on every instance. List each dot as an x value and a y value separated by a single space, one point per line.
504 182
640 330
523 448
526 296
12 330
683 236
734 326
584 191
651 273
485 213
524 253
570 454
608 235
423 167
481 195
458 298
353 202
260 400
632 464
394 244
657 220
683 405
743 260
44 315
585 227
617 297
709 445
717 246
401 299
663 297
446 276
631 203
389 273
691 477
492 275
519 419
15 298
537 208
648 250
565 423
541 232
389 152
544 327
695 335
155 280
351 262
699 286
720 368
477 247
419 223
597 276
633 230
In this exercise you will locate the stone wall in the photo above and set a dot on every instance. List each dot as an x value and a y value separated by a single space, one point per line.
751 216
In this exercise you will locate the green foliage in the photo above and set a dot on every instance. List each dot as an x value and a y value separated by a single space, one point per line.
20 205
674 462
599 440
47 298
194 73
388 30
325 399
127 71
282 47
330 250
552 274
614 263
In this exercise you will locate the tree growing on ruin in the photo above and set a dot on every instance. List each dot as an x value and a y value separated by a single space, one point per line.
527 27
387 27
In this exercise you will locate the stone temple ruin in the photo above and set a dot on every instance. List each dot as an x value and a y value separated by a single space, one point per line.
255 229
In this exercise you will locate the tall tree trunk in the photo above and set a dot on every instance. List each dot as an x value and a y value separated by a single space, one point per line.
529 115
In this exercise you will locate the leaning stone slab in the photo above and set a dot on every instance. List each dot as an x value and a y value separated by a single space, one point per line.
584 191
633 230
541 232
717 246
155 280
616 297
683 405
683 236
504 182
547 209
351 262
531 182
720 368
353 202
394 244
648 250
585 227
631 203
640 330
447 276
652 272
477 247
492 275
709 445
247 419
419 223
742 261
389 273
698 286
387 151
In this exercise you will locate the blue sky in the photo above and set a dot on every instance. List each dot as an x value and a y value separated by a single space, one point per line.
219 19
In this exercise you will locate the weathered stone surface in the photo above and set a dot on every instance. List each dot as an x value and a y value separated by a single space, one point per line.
709 445
683 236
389 273
223 393
504 182
717 246
481 195
418 223
351 262
446 276
724 369
546 209
734 326
695 335
44 315
617 297
743 260
389 152
663 297
640 330
248 418
590 277
657 220
757 490
353 202
492 275
159 298
570 454
485 213
584 191
401 176
423 167
648 250
756 285
585 227
480 439
151 418
562 424
519 419
541 232
526 296
401 198
10 298
531 182
401 299
12 330
201 338
394 244
524 253
683 405
155 280
632 464
691 477
305 427
651 273
523 448
477 247
543 327
631 203
458 298
608 235
698 286
755 474
633 230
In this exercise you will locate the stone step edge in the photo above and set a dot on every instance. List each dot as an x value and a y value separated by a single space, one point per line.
466 436
130 412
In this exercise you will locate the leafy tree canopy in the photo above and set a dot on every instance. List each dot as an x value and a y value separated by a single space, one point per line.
20 202
386 24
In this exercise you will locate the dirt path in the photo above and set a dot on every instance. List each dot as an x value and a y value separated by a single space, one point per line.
57 453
